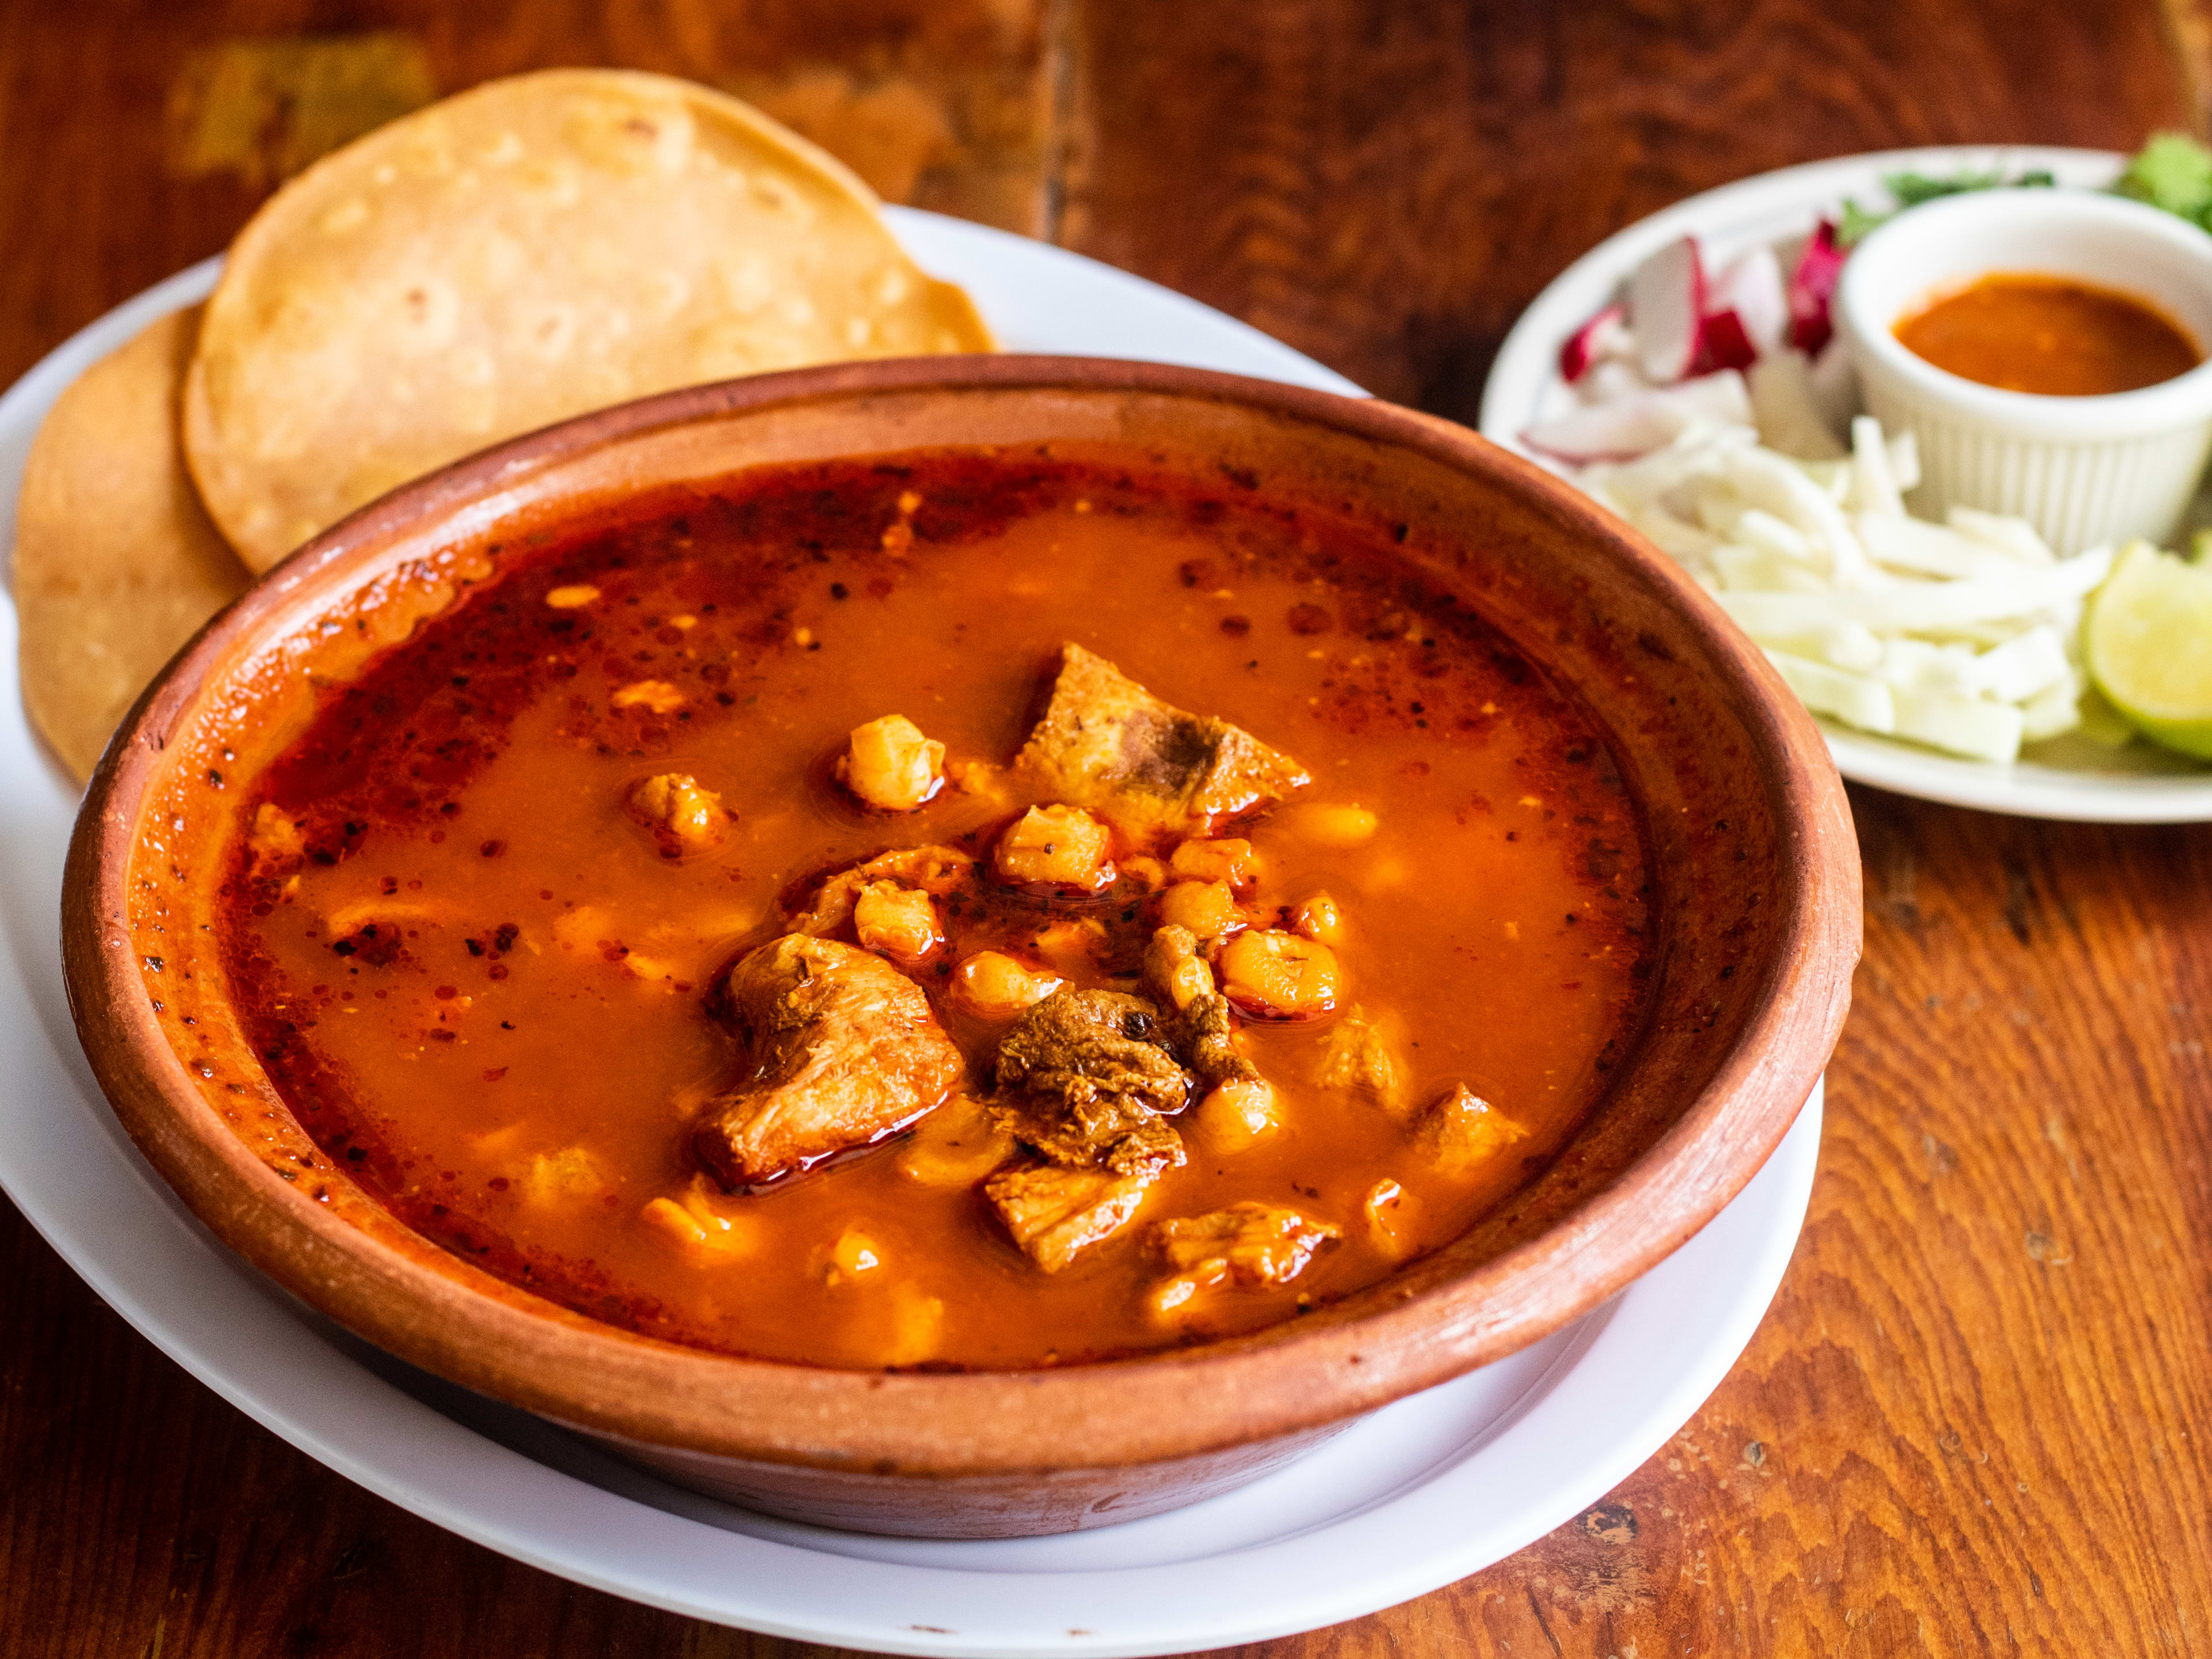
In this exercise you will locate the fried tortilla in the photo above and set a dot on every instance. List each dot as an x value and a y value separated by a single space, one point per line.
116 563
532 250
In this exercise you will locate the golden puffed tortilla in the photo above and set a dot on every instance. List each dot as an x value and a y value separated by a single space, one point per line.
521 254
115 564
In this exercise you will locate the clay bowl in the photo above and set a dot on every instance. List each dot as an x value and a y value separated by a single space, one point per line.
1751 848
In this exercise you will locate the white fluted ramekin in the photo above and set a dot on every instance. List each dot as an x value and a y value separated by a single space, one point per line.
2083 471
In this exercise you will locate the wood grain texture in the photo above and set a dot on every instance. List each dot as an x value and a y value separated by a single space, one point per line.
947 104
1387 184
2188 28
1972 1423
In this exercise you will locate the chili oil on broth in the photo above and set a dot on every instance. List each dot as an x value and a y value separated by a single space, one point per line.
484 991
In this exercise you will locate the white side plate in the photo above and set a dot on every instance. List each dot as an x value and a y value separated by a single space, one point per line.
1414 1497
2070 778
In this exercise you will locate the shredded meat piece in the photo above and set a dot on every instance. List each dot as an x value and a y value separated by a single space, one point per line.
1084 1079
1253 1243
843 1049
1239 1104
1360 1056
1205 1035
1245 1245
1082 1045
1462 1130
1055 1212
1392 1218
1108 745
1111 1133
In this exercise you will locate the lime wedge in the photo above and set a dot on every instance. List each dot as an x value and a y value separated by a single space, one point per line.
2148 641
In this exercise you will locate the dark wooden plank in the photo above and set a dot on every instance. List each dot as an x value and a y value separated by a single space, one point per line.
1386 185
142 1517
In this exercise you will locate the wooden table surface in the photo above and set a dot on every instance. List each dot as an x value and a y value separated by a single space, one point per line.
1971 1422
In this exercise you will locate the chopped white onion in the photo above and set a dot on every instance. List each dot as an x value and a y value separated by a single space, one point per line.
1961 635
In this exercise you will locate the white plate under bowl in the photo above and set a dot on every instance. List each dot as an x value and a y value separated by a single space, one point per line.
2068 778
1416 1496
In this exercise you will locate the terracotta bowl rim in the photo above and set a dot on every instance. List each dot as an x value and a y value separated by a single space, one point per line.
1171 1404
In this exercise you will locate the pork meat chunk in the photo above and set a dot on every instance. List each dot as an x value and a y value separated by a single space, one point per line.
842 1049
1245 1246
1206 1036
1360 1057
1086 1079
1248 1243
1109 745
1055 1212
1463 1131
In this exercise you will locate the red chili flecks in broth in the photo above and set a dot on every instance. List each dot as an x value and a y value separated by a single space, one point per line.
482 921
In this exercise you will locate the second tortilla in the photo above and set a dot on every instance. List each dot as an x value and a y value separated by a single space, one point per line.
526 252
116 562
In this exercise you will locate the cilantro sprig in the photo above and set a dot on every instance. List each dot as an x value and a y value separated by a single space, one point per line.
2172 171
1909 190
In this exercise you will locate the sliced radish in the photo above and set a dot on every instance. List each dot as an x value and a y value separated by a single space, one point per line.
1635 426
1666 300
1723 343
1811 287
1605 336
1750 286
